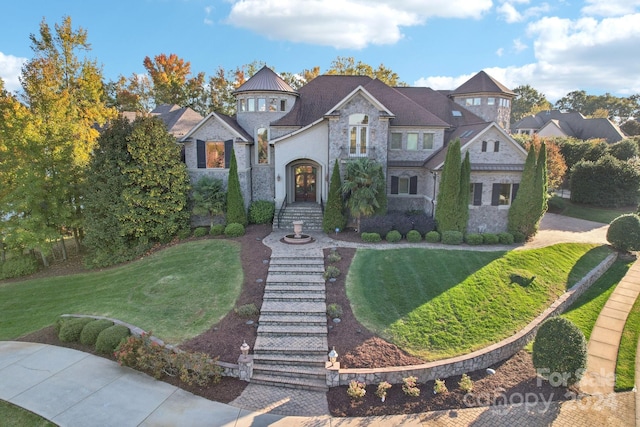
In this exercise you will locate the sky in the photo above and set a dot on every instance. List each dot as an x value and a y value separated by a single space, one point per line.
555 47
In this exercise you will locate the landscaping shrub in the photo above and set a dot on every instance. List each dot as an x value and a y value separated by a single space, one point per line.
109 339
452 237
18 266
331 272
71 329
473 239
91 330
506 238
490 238
401 222
333 256
334 311
200 232
414 236
261 212
432 237
466 383
334 216
217 229
422 222
247 310
624 233
607 182
356 390
560 352
370 237
393 236
519 237
234 230
556 204
380 225
439 387
410 386
381 391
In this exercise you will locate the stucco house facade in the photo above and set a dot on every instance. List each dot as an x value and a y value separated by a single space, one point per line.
286 141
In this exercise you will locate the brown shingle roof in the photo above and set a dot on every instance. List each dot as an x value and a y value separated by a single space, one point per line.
573 124
439 104
179 120
482 82
265 80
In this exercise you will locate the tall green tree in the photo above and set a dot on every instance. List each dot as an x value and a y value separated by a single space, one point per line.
347 66
157 183
361 187
448 200
527 101
209 197
541 184
525 210
334 210
236 211
463 197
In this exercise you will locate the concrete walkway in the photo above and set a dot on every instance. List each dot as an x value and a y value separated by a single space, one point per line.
605 338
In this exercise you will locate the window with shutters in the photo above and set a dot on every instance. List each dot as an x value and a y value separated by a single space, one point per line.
503 194
475 193
404 185
213 154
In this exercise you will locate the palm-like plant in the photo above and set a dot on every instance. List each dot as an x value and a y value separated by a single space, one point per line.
361 186
209 197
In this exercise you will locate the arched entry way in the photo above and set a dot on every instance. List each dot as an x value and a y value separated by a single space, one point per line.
304 183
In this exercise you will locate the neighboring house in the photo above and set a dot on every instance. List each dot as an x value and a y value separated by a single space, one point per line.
286 141
552 123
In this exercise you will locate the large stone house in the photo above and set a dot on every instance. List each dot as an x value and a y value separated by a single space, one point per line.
286 141
555 123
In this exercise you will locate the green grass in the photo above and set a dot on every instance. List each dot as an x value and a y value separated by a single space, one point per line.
438 303
177 293
590 213
14 416
585 310
625 365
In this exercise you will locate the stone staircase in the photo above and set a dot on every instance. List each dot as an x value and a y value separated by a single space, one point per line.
309 213
291 347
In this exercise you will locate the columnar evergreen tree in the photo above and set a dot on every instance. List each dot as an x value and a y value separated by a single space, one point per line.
529 205
157 183
448 203
334 210
463 198
382 194
541 184
236 212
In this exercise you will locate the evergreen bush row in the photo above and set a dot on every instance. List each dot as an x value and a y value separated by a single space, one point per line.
101 333
448 237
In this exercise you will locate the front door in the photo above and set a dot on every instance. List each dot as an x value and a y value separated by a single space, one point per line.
305 179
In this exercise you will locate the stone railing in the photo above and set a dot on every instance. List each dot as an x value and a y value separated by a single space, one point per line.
480 359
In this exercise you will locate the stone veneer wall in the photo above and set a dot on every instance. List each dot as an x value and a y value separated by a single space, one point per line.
473 361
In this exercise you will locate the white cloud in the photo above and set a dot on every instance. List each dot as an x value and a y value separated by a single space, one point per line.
443 82
10 69
207 18
500 51
511 15
346 23
610 7
519 46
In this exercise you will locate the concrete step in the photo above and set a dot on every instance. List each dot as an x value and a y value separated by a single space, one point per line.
289 382
292 330
315 288
292 297
289 270
315 345
296 261
284 320
300 308
316 360
310 372
292 279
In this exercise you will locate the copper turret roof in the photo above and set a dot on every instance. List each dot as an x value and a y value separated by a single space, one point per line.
265 80
482 82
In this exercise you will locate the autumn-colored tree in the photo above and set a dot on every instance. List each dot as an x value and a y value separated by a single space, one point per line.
132 94
347 66
556 166
172 82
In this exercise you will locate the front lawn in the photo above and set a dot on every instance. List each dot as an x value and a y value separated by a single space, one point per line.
626 362
589 213
442 303
177 293
14 416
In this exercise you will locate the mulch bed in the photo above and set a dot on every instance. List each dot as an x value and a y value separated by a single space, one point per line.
357 348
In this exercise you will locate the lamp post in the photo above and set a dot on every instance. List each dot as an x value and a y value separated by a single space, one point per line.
244 348
333 356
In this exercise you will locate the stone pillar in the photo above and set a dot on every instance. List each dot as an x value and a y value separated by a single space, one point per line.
333 374
245 367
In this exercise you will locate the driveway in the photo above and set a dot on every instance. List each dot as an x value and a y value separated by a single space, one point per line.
562 229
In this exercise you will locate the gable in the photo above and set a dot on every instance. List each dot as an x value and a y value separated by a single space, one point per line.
219 127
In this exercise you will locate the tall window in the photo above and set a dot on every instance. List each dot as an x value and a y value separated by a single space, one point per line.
263 146
358 134
262 104
283 104
396 141
484 146
215 154
412 141
475 193
496 146
427 141
273 104
243 105
251 104
503 194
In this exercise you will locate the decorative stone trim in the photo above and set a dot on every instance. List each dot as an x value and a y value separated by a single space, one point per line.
228 369
479 359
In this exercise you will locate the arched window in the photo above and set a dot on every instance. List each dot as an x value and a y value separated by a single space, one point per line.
262 146
358 134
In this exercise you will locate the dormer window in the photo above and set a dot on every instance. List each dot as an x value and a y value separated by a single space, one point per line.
358 134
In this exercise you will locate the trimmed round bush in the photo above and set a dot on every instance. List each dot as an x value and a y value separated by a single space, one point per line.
18 266
519 237
452 237
200 232
71 329
234 230
261 212
490 239
370 237
217 230
91 330
109 339
393 236
432 237
474 239
414 236
422 222
506 238
624 233
560 352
